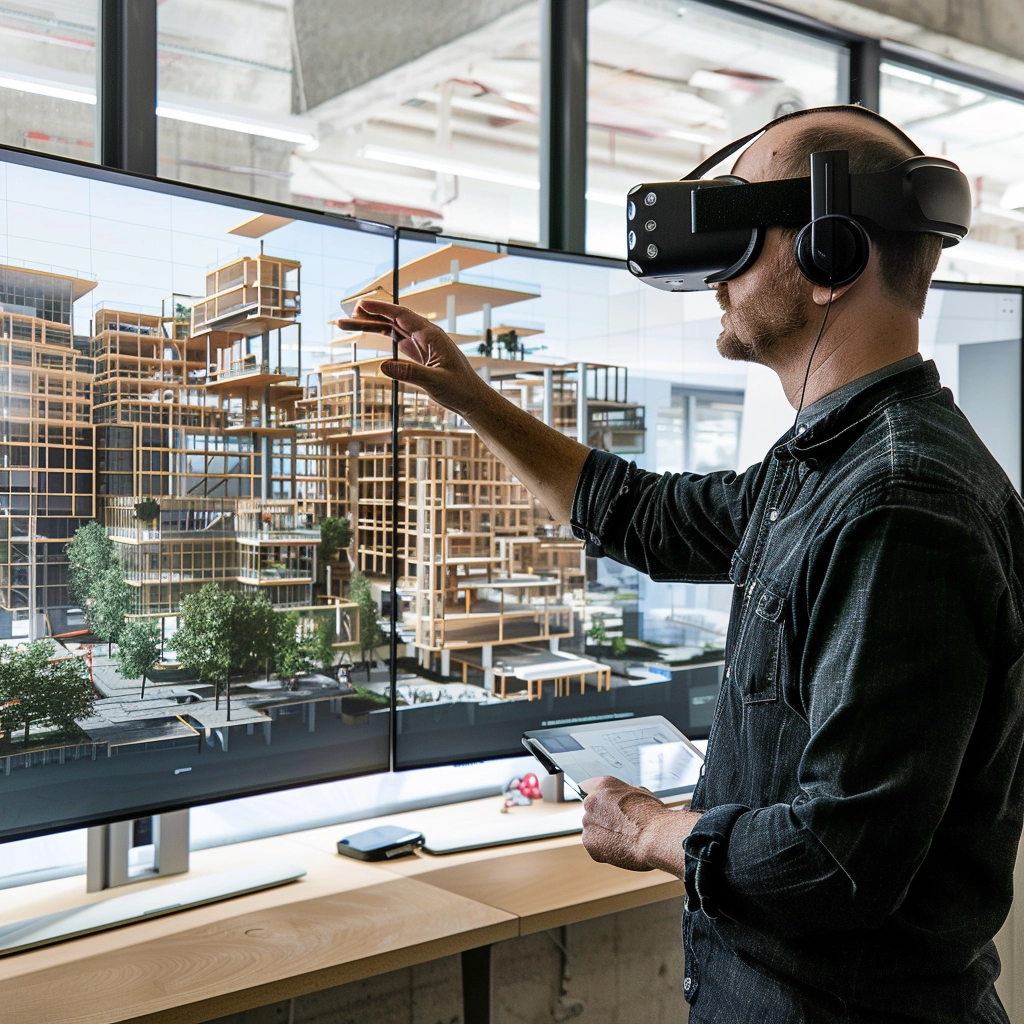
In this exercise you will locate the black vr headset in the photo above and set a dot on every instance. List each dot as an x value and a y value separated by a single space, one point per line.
687 235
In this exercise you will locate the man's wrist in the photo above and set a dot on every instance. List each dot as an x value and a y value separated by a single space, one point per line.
662 839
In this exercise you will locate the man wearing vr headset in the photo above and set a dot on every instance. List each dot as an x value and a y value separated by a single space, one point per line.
850 849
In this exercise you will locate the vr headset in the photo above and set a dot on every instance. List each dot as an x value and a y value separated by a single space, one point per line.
688 235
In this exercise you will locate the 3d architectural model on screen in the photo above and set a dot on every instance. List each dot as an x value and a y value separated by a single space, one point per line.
488 585
214 450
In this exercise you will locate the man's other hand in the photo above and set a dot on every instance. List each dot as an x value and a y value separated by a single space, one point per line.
435 363
631 828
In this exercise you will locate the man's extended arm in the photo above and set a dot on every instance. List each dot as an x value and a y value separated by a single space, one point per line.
542 458
671 526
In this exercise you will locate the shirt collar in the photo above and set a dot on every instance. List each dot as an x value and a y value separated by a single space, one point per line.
847 407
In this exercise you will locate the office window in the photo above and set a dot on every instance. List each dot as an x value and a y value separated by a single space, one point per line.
400 119
670 83
984 133
48 79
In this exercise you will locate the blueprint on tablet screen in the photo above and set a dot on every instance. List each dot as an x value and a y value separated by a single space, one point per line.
648 752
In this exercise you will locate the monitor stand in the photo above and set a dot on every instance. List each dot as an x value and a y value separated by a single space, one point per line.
108 856
108 866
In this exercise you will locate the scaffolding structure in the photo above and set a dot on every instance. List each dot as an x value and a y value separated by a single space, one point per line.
480 562
194 409
46 446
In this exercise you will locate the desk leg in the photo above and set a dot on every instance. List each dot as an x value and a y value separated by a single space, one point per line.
476 985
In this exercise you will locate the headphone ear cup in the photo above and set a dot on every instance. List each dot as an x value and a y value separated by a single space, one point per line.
841 259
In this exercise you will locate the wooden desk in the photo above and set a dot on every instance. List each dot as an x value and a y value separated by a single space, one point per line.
344 921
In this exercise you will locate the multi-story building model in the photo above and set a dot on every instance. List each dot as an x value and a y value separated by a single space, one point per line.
46 445
193 409
481 566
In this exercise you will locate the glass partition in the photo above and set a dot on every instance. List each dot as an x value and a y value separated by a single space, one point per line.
669 83
399 118
984 133
48 79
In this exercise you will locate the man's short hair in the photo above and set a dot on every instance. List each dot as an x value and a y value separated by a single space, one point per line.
906 260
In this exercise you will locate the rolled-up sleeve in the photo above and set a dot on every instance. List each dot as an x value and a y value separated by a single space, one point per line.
672 526
901 618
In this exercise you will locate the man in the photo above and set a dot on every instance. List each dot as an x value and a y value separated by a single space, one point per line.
850 848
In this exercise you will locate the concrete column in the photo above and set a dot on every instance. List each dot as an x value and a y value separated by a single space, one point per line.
446 662
553 644
547 414
450 311
487 657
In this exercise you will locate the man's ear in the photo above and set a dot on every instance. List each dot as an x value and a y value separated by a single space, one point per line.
820 293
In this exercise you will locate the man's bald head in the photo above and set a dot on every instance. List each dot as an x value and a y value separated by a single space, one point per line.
906 261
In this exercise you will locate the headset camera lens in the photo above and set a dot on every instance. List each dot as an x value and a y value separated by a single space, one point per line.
631 239
636 268
631 210
650 199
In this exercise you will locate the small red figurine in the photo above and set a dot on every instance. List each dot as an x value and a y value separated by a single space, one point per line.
529 785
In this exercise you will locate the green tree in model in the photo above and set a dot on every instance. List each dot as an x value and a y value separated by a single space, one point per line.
335 535
38 689
370 636
299 649
598 632
224 633
147 511
96 582
89 554
109 604
138 650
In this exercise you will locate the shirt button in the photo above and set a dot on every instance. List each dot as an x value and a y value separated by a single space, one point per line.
687 983
801 428
624 489
773 515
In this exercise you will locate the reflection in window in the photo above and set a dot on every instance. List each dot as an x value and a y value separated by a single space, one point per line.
48 83
699 431
432 126
984 134
670 83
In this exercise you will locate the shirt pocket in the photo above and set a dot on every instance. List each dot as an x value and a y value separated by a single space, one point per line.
758 660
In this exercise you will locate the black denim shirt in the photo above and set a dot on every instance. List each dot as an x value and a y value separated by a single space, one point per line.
862 793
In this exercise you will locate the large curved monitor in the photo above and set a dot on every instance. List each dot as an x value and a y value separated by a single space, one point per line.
157 353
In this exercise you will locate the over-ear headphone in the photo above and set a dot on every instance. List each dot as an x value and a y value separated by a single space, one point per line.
832 249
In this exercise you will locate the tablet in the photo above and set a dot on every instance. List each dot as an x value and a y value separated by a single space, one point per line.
649 752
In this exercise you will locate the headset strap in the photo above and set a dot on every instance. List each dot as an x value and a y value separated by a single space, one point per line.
852 108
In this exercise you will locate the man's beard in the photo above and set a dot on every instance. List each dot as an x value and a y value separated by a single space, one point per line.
751 335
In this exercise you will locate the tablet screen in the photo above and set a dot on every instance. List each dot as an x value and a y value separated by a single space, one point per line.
649 752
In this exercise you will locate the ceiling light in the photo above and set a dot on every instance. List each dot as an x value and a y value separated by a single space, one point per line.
58 92
477 172
446 165
233 124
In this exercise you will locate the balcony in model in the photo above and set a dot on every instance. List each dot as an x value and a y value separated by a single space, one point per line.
250 296
173 517
244 373
275 522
